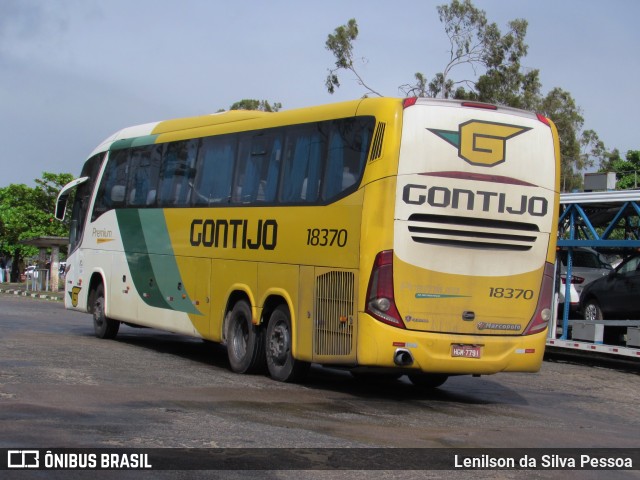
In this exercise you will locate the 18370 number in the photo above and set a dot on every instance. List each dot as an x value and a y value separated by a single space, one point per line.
499 292
327 237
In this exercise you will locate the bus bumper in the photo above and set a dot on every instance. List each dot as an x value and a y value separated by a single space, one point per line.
379 345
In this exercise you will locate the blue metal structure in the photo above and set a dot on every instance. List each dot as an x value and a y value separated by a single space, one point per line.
607 221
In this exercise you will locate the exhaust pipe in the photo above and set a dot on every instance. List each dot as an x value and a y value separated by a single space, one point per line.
402 357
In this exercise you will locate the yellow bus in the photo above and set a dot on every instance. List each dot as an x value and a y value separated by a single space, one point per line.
408 236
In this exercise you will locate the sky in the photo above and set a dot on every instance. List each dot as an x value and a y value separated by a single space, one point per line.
72 72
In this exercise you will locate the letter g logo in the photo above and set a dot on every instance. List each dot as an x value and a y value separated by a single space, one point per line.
481 143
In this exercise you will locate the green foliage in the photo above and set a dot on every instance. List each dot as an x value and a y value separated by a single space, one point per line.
560 107
504 81
340 43
252 104
465 26
27 212
627 170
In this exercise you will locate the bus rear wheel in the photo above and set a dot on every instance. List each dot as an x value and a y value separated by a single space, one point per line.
104 326
245 341
282 366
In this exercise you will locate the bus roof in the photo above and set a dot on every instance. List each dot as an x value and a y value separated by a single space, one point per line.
204 125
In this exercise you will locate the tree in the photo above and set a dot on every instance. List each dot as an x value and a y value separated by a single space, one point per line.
340 43
626 170
504 80
560 107
473 42
465 26
592 150
28 213
252 104
481 46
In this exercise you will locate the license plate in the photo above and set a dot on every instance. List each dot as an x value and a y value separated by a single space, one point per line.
467 351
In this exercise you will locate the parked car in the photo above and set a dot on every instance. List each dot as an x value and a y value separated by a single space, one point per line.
574 296
30 272
616 296
587 265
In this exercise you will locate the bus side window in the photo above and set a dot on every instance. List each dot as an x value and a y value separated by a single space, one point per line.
143 178
302 167
82 200
269 188
258 167
112 190
215 171
346 156
177 173
336 169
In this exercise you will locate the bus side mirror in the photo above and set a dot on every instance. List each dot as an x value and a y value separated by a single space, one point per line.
63 197
61 205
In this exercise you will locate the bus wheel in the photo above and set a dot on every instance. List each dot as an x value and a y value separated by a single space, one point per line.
282 366
103 326
245 342
428 380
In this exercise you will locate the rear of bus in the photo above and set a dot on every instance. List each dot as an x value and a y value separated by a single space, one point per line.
466 286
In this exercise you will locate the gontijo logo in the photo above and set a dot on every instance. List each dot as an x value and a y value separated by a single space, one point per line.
481 143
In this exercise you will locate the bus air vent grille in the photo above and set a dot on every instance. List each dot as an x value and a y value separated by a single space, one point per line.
376 145
472 232
334 313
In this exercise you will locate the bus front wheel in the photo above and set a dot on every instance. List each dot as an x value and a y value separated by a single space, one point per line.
282 366
245 341
104 326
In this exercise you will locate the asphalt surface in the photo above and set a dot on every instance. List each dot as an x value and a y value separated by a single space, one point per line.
62 387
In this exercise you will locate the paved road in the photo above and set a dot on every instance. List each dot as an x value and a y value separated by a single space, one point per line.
62 387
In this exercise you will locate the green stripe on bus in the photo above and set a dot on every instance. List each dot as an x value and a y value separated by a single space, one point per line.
156 275
163 262
133 142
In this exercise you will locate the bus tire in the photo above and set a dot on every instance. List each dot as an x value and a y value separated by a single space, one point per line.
428 380
245 341
103 326
280 362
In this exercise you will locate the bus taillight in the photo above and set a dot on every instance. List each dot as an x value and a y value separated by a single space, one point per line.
408 102
543 119
381 303
543 310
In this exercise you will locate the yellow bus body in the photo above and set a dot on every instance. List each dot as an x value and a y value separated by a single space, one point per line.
462 199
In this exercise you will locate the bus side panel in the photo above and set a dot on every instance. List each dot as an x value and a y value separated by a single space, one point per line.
76 294
122 294
278 283
377 228
195 278
304 324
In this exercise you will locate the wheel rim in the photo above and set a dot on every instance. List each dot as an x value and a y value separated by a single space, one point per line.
590 312
279 344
